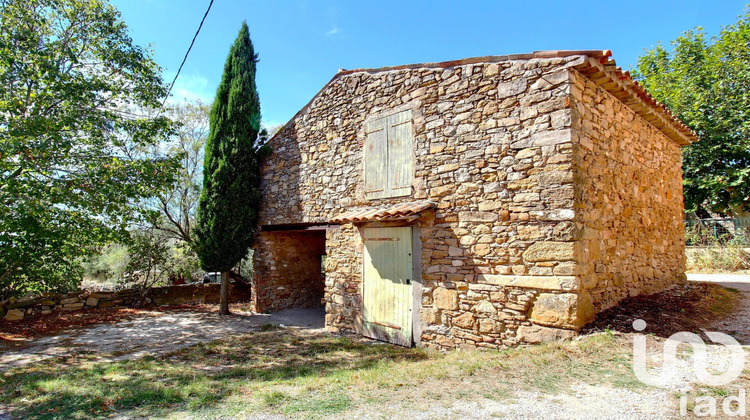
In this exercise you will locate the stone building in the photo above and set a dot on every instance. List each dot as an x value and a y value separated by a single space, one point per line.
483 202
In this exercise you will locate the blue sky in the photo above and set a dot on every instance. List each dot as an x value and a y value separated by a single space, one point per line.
303 43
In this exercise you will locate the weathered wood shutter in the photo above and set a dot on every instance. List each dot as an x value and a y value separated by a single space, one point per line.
388 156
399 154
375 159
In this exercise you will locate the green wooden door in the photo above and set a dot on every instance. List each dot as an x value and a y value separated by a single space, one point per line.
387 288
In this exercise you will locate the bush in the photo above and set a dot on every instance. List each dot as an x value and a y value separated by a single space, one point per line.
47 275
107 267
148 257
717 255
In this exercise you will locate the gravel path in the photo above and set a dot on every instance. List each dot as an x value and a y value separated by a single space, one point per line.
152 333
737 281
586 402
738 323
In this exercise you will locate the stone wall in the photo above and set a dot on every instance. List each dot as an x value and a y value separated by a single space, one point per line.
493 149
462 116
197 293
343 286
292 273
48 303
503 150
629 190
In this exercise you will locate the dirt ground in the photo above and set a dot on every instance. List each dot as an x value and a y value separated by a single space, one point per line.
694 307
151 333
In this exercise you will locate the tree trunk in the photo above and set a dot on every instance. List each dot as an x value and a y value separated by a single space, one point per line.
224 294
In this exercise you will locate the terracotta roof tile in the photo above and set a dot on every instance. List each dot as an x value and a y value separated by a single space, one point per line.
605 73
395 212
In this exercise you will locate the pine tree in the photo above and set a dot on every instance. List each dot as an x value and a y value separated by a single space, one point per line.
228 206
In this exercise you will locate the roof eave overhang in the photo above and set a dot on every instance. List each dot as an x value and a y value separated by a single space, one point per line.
604 72
409 211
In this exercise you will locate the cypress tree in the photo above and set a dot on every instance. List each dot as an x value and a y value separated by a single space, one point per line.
229 201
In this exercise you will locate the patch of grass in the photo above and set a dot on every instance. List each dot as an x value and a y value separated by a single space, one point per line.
269 327
720 300
301 375
718 257
328 403
199 377
718 392
499 394
275 398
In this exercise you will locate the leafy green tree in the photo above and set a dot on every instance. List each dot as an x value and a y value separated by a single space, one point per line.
228 206
77 127
122 265
707 84
173 211
184 261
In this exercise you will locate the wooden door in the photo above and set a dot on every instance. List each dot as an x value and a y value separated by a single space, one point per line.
387 288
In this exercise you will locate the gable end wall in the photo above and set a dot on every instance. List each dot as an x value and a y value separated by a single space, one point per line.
628 180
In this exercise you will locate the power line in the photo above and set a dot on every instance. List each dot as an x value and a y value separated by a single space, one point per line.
187 53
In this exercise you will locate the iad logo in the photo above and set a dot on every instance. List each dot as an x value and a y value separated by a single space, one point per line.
704 405
700 356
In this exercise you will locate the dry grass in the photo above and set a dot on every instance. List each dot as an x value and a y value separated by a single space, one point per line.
291 372
718 259
295 373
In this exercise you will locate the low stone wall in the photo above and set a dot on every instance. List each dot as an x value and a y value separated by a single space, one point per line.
197 293
18 309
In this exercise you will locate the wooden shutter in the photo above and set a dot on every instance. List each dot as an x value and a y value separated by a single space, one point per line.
388 156
399 154
375 159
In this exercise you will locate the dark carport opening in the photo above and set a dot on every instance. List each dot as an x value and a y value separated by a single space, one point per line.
290 268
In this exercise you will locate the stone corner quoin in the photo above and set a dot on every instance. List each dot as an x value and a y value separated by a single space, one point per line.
553 200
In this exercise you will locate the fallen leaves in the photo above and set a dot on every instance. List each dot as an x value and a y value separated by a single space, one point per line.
46 324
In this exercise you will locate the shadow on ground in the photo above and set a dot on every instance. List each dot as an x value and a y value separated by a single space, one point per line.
192 378
152 333
692 307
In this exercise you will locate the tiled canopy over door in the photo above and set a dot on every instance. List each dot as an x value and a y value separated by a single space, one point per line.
388 156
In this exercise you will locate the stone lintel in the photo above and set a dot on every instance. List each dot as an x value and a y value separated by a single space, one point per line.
545 138
564 283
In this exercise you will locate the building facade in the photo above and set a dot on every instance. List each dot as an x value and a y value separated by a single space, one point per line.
484 202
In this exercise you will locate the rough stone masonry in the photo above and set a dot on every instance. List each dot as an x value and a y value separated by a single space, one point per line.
556 190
